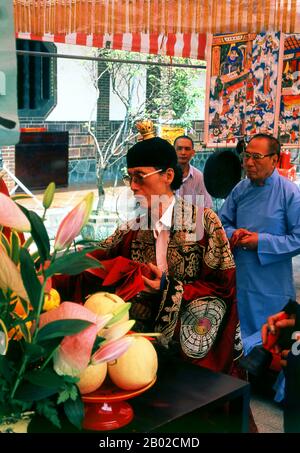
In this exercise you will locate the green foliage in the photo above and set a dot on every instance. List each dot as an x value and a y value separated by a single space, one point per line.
29 277
72 264
69 391
74 411
49 410
39 234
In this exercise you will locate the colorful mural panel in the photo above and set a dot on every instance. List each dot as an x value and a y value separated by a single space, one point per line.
289 117
242 87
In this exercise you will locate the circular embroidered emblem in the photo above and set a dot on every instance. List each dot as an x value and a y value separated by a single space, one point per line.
203 326
199 325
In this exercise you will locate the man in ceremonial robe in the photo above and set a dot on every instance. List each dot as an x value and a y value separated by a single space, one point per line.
189 293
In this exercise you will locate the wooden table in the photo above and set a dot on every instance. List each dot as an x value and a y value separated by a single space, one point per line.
185 398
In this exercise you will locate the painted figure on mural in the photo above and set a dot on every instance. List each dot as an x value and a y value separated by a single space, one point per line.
293 136
216 125
296 113
250 83
267 81
270 45
226 102
218 88
287 79
234 61
242 121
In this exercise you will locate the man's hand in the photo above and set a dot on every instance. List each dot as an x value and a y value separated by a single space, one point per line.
237 236
249 241
273 325
272 328
153 286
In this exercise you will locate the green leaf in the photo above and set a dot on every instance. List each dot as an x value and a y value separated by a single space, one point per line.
69 392
4 241
28 243
30 280
71 379
87 241
61 328
25 331
72 264
34 351
74 411
63 396
39 233
45 378
48 409
30 392
6 368
15 247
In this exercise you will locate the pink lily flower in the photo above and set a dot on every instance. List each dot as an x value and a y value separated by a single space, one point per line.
11 215
112 350
73 223
74 353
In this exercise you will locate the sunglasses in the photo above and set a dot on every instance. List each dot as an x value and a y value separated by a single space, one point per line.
138 178
256 156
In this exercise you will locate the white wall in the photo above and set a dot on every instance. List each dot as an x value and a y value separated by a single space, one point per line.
76 95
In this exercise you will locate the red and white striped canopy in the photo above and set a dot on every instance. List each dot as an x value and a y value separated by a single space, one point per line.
188 45
169 27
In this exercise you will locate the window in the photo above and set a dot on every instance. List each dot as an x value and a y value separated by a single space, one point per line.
36 79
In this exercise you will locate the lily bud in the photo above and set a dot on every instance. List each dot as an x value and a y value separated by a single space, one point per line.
48 195
11 215
117 330
112 350
73 223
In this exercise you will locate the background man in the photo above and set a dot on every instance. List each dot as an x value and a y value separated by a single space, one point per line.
192 183
262 217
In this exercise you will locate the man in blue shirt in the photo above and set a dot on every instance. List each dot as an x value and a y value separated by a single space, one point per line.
193 188
261 217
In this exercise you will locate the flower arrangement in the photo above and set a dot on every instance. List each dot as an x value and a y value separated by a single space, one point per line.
45 344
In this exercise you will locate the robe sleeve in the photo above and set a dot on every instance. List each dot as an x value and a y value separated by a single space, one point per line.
275 248
228 214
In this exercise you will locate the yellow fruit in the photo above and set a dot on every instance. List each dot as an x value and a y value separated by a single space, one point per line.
104 303
92 378
51 300
135 368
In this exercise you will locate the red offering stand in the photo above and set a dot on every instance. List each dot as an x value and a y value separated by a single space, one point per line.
107 409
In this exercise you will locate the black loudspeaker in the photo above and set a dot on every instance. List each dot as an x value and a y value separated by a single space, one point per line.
222 172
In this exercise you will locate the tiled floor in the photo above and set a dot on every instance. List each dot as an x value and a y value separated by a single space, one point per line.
267 413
